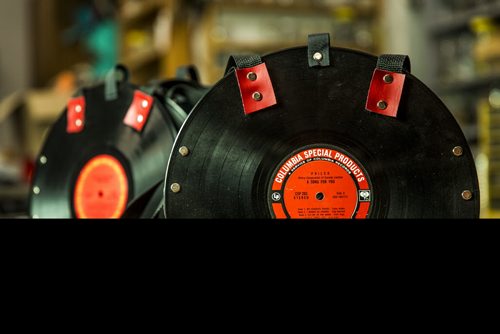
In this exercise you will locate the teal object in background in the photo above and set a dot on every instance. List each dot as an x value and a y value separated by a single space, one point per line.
98 32
102 43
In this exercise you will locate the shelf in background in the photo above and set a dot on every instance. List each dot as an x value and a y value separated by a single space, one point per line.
145 10
139 59
365 9
141 22
460 21
472 85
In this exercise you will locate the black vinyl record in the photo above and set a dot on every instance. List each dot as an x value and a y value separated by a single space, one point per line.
100 171
320 145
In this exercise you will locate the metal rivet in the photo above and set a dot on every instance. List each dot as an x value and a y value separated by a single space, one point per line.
467 195
458 151
78 109
257 96
252 76
388 79
140 119
43 159
184 151
382 105
145 104
79 123
176 188
36 190
318 56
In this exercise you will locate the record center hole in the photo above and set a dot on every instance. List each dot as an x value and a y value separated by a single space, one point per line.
320 196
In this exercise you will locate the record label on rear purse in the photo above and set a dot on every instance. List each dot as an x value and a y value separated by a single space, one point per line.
320 182
101 189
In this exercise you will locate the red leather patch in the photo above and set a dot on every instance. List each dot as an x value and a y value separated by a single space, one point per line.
76 115
385 93
256 88
138 113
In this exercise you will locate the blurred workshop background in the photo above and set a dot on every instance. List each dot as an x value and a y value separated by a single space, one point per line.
48 48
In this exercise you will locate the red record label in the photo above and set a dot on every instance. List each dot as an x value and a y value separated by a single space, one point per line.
101 190
321 183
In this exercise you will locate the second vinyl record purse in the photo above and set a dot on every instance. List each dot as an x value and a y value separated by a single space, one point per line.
110 147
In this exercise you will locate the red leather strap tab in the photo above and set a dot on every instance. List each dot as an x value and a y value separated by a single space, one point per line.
385 93
256 88
76 115
138 113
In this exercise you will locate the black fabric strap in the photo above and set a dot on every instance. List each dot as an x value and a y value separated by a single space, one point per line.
117 74
319 50
243 61
189 73
178 114
394 63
